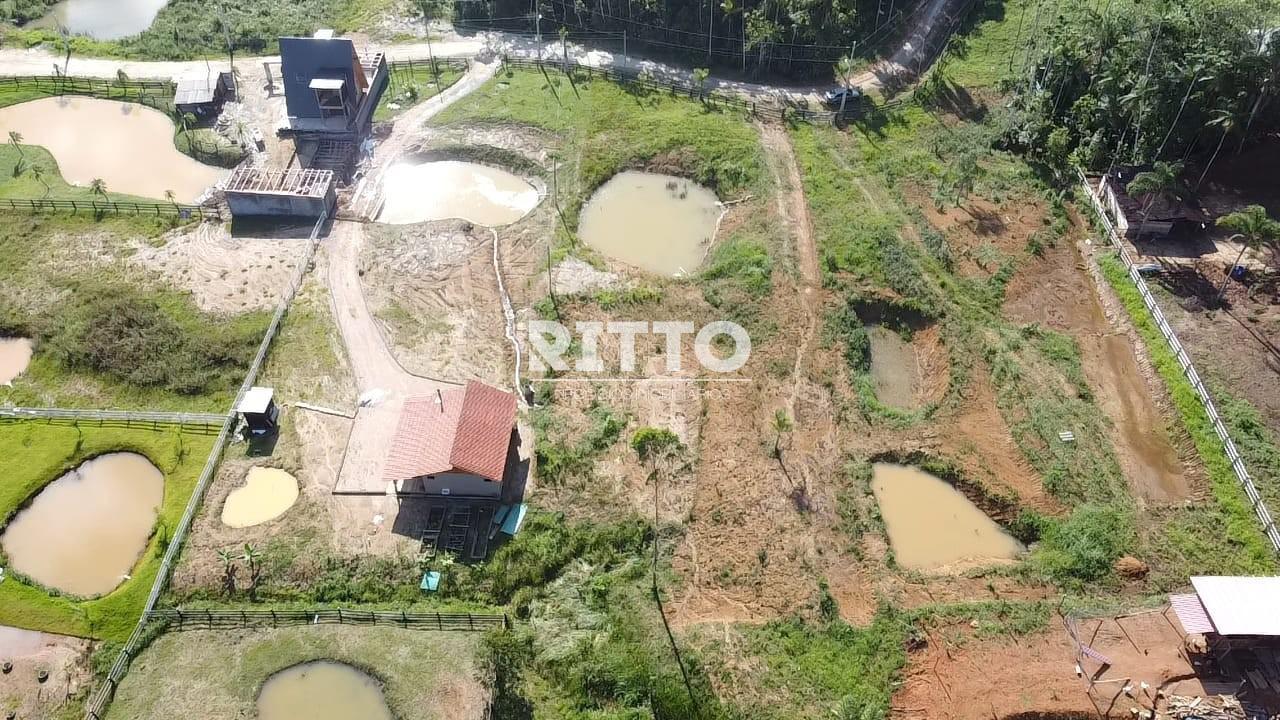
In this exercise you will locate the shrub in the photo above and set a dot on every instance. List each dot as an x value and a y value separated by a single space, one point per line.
1083 547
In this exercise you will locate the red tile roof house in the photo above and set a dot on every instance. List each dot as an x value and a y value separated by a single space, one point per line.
454 444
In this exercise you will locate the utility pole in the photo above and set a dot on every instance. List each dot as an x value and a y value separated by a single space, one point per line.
231 50
711 20
626 61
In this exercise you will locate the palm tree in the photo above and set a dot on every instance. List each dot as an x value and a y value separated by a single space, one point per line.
781 426
20 167
658 448
1164 178
15 139
37 172
173 199
1253 227
253 559
700 76
98 187
228 571
844 73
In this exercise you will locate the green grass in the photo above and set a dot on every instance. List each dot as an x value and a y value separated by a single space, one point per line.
412 86
825 671
34 453
608 128
190 29
164 354
1227 537
188 673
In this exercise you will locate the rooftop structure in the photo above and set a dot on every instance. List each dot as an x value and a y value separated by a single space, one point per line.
456 442
253 191
202 92
1230 606
330 89
1151 214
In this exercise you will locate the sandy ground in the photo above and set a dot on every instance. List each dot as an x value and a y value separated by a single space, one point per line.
227 274
65 658
959 676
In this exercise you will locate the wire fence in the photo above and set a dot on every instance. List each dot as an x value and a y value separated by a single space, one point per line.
112 207
102 697
179 619
1188 369
114 417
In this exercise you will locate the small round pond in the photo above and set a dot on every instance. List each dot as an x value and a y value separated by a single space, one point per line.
102 19
15 355
932 525
322 690
126 145
659 223
415 192
85 530
267 494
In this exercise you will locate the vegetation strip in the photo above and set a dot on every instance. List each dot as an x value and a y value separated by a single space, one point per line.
1193 401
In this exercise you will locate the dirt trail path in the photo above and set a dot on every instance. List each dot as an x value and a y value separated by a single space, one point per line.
381 382
793 207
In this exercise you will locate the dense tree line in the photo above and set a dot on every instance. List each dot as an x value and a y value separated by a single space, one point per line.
797 37
1145 82
23 10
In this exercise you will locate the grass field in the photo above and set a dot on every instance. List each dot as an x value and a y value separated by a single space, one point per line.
67 278
414 86
33 454
218 674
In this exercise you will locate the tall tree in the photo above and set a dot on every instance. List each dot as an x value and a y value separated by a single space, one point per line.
1253 227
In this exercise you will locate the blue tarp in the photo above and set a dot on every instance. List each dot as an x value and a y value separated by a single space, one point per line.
514 520
430 581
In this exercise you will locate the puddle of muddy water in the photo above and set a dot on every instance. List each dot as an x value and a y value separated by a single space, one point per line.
895 370
15 355
102 19
267 494
322 690
659 223
85 530
129 146
932 525
446 189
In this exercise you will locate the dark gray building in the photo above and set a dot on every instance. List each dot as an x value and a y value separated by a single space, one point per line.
330 89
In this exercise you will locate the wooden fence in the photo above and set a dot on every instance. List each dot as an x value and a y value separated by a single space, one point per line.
96 706
84 85
1188 369
114 417
114 207
179 619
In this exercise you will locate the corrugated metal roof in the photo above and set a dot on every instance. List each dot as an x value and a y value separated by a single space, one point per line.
256 400
1191 613
196 89
1241 605
327 83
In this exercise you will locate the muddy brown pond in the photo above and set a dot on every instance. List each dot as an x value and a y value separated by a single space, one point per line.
932 525
322 690
15 355
659 223
102 19
446 189
127 145
84 532
895 370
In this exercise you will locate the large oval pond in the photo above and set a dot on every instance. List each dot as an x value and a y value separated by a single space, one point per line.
127 145
15 355
932 525
322 690
415 192
85 530
103 19
659 223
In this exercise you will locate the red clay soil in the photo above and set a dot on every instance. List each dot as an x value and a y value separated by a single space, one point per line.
958 676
